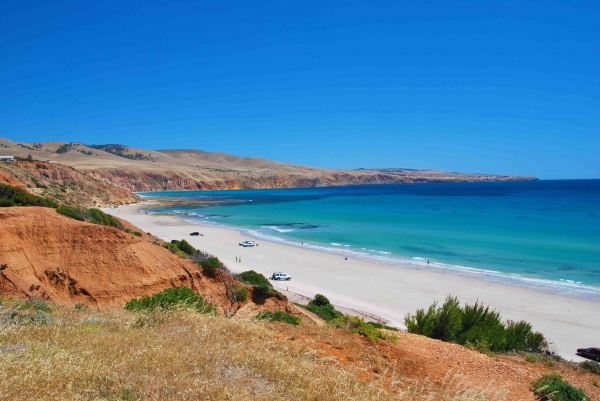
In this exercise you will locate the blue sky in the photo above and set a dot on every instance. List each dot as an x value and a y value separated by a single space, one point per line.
508 87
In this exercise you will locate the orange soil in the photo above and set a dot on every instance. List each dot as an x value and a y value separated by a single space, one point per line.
67 262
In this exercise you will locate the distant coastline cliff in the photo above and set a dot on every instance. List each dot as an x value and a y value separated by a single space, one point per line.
107 174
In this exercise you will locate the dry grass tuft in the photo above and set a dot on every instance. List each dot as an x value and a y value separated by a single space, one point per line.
181 355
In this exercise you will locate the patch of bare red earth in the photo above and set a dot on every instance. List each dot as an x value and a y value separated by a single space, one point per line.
67 261
418 361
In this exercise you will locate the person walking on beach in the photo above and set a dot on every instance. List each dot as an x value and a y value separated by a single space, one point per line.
236 259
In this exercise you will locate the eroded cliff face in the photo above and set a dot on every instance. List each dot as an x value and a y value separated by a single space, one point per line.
140 181
67 261
64 184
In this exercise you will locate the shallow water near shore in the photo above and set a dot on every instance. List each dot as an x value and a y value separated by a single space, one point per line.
541 234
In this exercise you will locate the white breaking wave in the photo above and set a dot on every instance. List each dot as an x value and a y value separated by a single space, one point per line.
279 229
562 287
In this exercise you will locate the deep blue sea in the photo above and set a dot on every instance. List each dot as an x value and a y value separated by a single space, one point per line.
543 234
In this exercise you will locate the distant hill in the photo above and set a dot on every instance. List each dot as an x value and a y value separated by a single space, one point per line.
188 169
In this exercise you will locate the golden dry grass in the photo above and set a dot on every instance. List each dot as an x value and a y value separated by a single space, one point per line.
119 355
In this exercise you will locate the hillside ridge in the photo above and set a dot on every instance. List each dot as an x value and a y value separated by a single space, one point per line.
137 169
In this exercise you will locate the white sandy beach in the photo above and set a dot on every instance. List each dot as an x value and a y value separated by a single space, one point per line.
387 291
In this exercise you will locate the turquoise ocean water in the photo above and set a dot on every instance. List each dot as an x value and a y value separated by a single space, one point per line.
540 234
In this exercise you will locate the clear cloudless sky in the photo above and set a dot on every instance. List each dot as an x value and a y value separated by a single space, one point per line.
508 87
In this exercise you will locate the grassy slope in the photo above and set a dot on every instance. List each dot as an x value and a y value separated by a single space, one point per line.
114 354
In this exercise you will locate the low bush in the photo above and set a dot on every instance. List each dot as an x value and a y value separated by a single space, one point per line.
552 387
355 324
262 286
279 316
172 298
590 366
13 196
135 233
208 261
321 307
91 215
174 249
184 246
71 212
253 278
476 326
27 317
531 358
35 304
97 216
242 293
383 326
211 263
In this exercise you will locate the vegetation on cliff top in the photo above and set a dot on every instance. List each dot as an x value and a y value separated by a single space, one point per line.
552 387
14 196
172 298
262 286
91 215
476 326
321 307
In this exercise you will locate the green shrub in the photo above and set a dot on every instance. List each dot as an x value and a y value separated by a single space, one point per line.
135 233
590 366
208 261
262 286
279 316
242 293
184 246
264 290
27 317
71 212
211 263
97 216
35 304
553 387
355 324
181 248
174 249
531 358
13 196
321 307
476 326
253 278
383 326
176 297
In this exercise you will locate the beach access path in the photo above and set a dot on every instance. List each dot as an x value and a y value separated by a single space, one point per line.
386 291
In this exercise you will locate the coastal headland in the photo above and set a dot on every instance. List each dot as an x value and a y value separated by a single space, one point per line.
385 291
134 169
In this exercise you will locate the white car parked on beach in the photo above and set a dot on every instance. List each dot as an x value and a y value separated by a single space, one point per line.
280 276
246 243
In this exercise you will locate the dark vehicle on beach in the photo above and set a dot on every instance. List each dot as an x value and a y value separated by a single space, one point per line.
590 353
195 233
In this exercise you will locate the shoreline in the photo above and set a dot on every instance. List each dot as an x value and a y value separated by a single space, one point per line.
563 287
378 289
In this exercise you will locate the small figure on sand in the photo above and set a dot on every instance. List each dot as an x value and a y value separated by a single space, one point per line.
236 259
346 258
302 242
428 261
